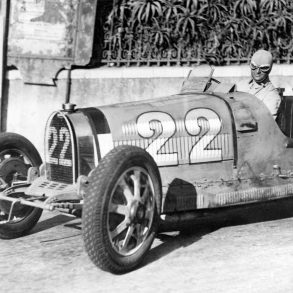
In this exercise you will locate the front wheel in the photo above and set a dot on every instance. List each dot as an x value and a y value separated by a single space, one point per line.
17 155
121 208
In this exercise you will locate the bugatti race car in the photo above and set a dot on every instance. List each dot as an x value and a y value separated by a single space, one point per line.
130 169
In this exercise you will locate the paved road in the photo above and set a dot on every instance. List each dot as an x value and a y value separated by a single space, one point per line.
248 251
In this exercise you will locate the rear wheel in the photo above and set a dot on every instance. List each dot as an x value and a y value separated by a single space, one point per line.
121 207
17 155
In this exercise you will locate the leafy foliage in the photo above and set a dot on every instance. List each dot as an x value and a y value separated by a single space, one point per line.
219 31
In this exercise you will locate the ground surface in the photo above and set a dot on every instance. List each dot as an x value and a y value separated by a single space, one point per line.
247 251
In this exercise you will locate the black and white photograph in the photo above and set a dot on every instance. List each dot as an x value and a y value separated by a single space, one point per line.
146 146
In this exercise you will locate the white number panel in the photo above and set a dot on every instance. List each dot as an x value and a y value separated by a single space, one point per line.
206 124
161 127
196 138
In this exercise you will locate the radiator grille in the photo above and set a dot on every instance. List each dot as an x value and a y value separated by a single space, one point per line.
59 150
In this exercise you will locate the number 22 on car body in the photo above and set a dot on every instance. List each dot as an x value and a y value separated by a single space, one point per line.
201 126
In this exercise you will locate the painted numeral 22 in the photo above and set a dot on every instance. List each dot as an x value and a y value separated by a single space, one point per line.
200 123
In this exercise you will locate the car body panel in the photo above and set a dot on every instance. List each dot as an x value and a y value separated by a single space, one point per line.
212 149
244 147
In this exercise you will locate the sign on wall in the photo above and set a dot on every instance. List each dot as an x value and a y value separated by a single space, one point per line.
47 35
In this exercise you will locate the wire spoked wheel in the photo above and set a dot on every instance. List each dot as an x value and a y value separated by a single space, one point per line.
131 211
121 208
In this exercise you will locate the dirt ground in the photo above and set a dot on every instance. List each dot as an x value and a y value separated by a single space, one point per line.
244 251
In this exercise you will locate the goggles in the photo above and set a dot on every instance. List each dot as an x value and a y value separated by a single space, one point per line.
263 68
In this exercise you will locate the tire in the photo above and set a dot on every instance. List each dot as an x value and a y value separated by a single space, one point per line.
17 154
121 209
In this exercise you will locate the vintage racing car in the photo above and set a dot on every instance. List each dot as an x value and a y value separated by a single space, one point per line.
132 168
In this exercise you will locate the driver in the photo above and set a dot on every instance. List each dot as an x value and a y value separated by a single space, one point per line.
260 85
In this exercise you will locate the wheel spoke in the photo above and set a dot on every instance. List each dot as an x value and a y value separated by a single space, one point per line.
126 190
127 238
149 213
118 209
145 194
119 229
136 182
139 233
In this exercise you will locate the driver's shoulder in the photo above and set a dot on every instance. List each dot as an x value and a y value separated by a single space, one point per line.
270 87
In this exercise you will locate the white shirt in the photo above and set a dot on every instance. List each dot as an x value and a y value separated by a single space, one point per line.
265 92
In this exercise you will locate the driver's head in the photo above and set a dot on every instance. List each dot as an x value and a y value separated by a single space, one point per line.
261 64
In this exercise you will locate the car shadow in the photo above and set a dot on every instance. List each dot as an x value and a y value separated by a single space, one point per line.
174 241
51 222
76 225
220 218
